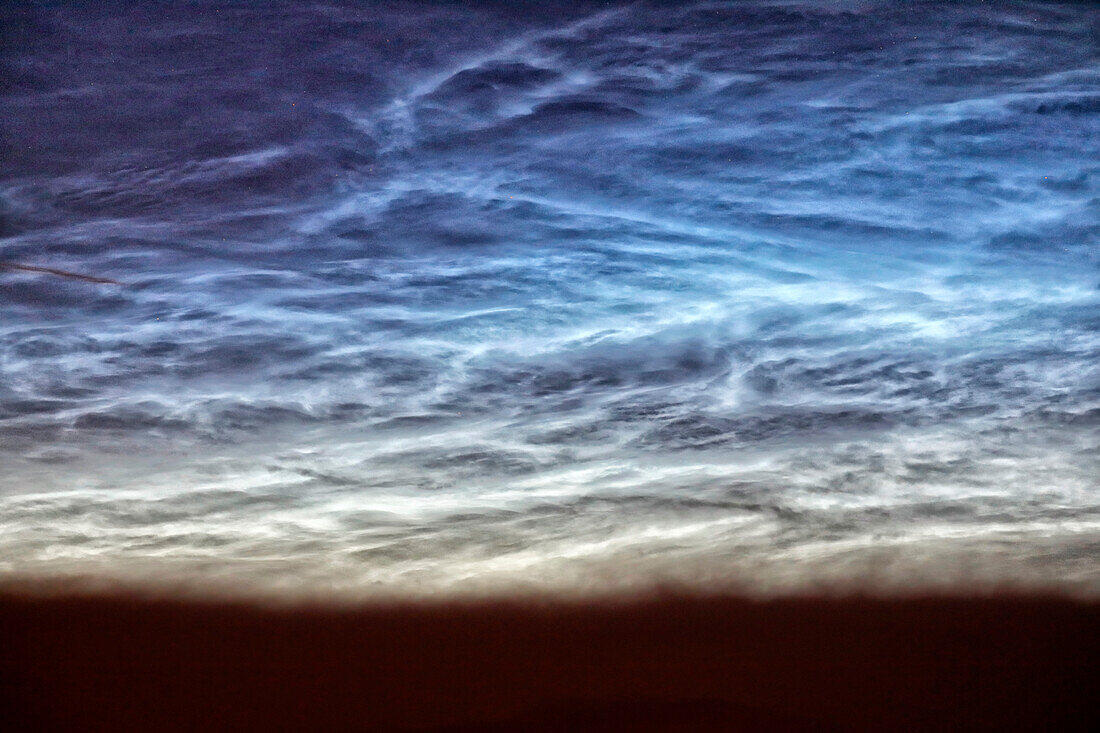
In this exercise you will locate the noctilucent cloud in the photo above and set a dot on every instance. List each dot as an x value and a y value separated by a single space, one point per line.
768 296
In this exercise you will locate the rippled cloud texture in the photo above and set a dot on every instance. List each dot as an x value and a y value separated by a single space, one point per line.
764 295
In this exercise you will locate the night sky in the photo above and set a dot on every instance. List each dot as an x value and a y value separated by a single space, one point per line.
422 299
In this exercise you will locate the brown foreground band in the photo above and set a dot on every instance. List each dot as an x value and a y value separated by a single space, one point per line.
664 663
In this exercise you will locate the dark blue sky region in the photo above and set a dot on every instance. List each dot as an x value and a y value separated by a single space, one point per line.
577 296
